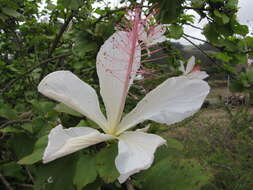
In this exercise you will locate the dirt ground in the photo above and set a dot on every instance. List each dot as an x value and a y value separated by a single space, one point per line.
210 115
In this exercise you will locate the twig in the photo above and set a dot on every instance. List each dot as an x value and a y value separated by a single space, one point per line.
5 182
193 26
194 8
57 39
195 38
15 122
29 174
60 33
30 70
25 185
202 51
129 185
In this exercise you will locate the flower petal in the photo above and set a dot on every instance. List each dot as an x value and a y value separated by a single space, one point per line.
62 142
190 65
157 32
172 101
65 87
143 36
181 67
156 41
117 63
136 152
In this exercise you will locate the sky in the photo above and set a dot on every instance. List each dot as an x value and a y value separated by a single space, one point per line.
245 16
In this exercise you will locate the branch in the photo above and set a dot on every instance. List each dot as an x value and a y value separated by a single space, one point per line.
202 51
5 182
204 41
56 41
32 69
129 185
29 174
194 8
26 185
60 33
15 122
193 26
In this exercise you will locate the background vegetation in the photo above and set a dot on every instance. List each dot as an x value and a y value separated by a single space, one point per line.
212 150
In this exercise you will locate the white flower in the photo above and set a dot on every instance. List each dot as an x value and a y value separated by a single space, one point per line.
250 61
117 63
192 72
153 35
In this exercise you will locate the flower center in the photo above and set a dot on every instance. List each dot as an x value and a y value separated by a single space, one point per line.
112 130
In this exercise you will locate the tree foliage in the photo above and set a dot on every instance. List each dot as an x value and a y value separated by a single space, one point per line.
35 41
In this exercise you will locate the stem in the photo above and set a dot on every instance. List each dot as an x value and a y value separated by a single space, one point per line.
57 39
5 182
202 51
15 122
195 38
30 175
129 185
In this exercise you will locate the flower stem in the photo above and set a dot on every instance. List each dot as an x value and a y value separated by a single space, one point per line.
129 185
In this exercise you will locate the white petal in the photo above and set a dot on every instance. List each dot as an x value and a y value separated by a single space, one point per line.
136 152
117 64
65 87
181 67
157 32
190 65
172 101
142 34
62 142
197 75
156 41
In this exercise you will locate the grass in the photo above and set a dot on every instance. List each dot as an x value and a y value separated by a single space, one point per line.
221 138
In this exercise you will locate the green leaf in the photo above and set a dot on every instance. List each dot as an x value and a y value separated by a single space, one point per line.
169 10
65 109
210 33
171 174
223 57
21 144
105 162
232 4
10 12
12 169
197 3
83 46
28 127
85 171
70 4
225 19
56 175
11 130
37 152
42 106
175 31
7 112
94 186
249 41
239 28
250 76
